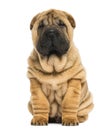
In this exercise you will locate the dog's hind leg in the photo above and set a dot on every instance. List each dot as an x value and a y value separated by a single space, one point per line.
30 107
82 118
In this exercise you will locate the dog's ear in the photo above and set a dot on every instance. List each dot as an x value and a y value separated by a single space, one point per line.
71 19
33 21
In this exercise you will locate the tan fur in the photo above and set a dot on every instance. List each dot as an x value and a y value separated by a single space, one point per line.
58 85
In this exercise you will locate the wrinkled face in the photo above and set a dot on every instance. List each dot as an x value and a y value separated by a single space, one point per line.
51 32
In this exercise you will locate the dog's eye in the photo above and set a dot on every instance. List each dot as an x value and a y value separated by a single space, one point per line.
41 25
61 24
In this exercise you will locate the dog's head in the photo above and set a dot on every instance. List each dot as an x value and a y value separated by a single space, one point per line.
52 32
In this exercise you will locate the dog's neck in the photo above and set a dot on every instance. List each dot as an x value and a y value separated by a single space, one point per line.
55 64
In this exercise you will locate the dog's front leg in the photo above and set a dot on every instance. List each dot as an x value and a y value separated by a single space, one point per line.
40 104
71 102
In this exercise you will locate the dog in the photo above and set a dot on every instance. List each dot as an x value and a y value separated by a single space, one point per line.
58 85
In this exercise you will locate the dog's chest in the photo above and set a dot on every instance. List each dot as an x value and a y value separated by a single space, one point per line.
55 94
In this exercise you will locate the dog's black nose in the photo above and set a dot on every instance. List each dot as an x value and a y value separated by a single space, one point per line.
51 33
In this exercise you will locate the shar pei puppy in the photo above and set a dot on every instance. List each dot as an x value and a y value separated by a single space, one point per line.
59 91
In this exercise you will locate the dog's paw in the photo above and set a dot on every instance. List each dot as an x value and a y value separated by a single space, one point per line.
37 120
70 121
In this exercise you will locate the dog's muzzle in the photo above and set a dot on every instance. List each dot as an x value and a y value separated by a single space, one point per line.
51 42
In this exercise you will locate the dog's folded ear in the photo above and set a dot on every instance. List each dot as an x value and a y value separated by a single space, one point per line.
33 21
71 19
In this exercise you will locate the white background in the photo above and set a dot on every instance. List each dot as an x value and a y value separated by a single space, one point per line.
92 36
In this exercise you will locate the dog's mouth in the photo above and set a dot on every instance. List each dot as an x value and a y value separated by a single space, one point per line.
52 42
56 52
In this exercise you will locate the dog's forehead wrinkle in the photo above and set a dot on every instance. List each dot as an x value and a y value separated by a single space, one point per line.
45 21
51 12
53 17
50 19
